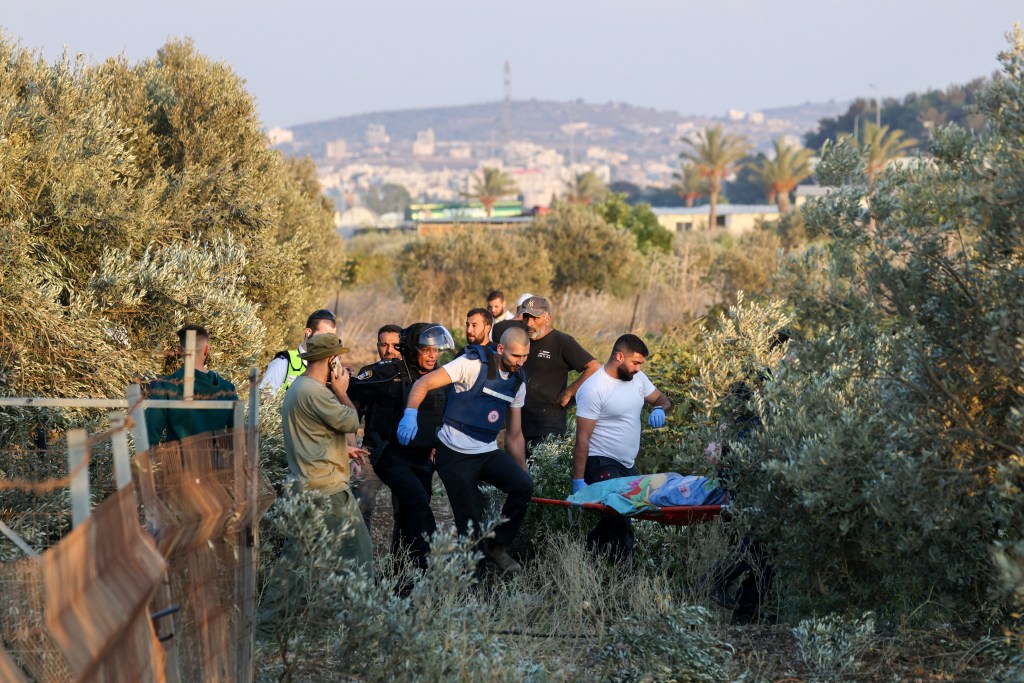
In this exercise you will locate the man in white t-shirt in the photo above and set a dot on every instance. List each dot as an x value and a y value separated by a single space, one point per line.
497 306
608 407
488 393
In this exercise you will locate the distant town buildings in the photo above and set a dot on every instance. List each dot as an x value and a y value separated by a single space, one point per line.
424 145
438 164
337 150
376 135
279 136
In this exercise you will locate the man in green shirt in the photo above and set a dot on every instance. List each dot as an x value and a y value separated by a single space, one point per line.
315 421
175 424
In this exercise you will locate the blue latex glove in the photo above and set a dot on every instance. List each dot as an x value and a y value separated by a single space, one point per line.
578 485
657 417
407 428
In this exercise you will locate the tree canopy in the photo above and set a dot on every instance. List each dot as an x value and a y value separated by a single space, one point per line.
138 197
779 175
715 155
917 113
491 185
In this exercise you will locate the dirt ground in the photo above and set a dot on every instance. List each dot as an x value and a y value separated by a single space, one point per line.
376 497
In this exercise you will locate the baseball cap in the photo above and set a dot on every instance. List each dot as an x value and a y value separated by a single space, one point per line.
521 299
536 306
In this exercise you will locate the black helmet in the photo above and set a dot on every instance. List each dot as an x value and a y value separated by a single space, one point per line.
424 334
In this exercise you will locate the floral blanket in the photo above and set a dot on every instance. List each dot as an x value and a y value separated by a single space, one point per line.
632 495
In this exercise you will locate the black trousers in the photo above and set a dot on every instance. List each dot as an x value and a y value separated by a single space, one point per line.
461 473
409 476
613 533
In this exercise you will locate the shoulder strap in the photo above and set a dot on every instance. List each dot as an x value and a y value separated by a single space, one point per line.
520 378
492 363
485 355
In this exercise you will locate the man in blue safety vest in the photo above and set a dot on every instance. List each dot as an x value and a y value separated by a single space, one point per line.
488 393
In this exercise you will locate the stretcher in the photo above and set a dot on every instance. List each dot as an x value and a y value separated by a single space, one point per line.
682 515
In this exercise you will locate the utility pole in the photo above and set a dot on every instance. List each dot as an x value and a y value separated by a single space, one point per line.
506 113
878 105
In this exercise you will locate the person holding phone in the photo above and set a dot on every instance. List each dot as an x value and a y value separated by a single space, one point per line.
316 420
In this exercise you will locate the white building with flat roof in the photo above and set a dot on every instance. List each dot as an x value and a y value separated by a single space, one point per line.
425 143
734 218
279 136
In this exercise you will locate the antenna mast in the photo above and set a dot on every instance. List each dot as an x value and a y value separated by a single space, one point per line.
506 113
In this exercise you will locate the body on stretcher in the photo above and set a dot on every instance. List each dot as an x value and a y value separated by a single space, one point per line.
668 498
678 515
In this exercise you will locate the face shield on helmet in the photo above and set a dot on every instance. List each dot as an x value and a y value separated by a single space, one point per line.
435 337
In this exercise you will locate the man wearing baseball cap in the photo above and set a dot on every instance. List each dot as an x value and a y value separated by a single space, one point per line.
315 420
553 354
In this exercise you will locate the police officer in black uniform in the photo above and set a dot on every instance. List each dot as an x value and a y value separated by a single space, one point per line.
381 390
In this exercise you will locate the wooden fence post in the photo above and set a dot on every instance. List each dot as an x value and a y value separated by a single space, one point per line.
141 436
119 443
78 452
190 365
248 538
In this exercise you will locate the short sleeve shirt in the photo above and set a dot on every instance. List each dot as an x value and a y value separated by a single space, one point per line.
464 372
551 359
315 423
616 405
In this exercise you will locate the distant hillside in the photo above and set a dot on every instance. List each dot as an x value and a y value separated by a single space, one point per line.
612 125
533 120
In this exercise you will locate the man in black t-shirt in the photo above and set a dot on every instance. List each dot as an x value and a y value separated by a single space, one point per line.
553 354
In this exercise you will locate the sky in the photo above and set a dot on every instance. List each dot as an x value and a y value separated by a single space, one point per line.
315 60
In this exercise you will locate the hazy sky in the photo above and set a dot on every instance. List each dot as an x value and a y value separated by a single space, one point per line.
315 60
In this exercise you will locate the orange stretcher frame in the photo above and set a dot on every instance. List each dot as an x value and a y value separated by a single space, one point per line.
681 515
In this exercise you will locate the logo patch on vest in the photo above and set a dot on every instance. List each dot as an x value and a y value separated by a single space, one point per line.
365 374
493 416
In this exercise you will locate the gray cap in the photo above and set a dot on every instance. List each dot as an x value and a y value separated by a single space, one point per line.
536 306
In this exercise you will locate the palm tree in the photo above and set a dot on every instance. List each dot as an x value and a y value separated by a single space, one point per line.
490 187
585 188
780 175
716 155
882 146
691 185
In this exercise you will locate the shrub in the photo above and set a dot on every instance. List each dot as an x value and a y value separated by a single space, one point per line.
137 197
587 254
890 461
673 645
831 645
437 275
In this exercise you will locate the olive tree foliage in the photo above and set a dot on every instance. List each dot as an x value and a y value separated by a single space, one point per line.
444 276
888 469
136 197
587 253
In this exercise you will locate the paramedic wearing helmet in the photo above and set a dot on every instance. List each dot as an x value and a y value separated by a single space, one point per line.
406 468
